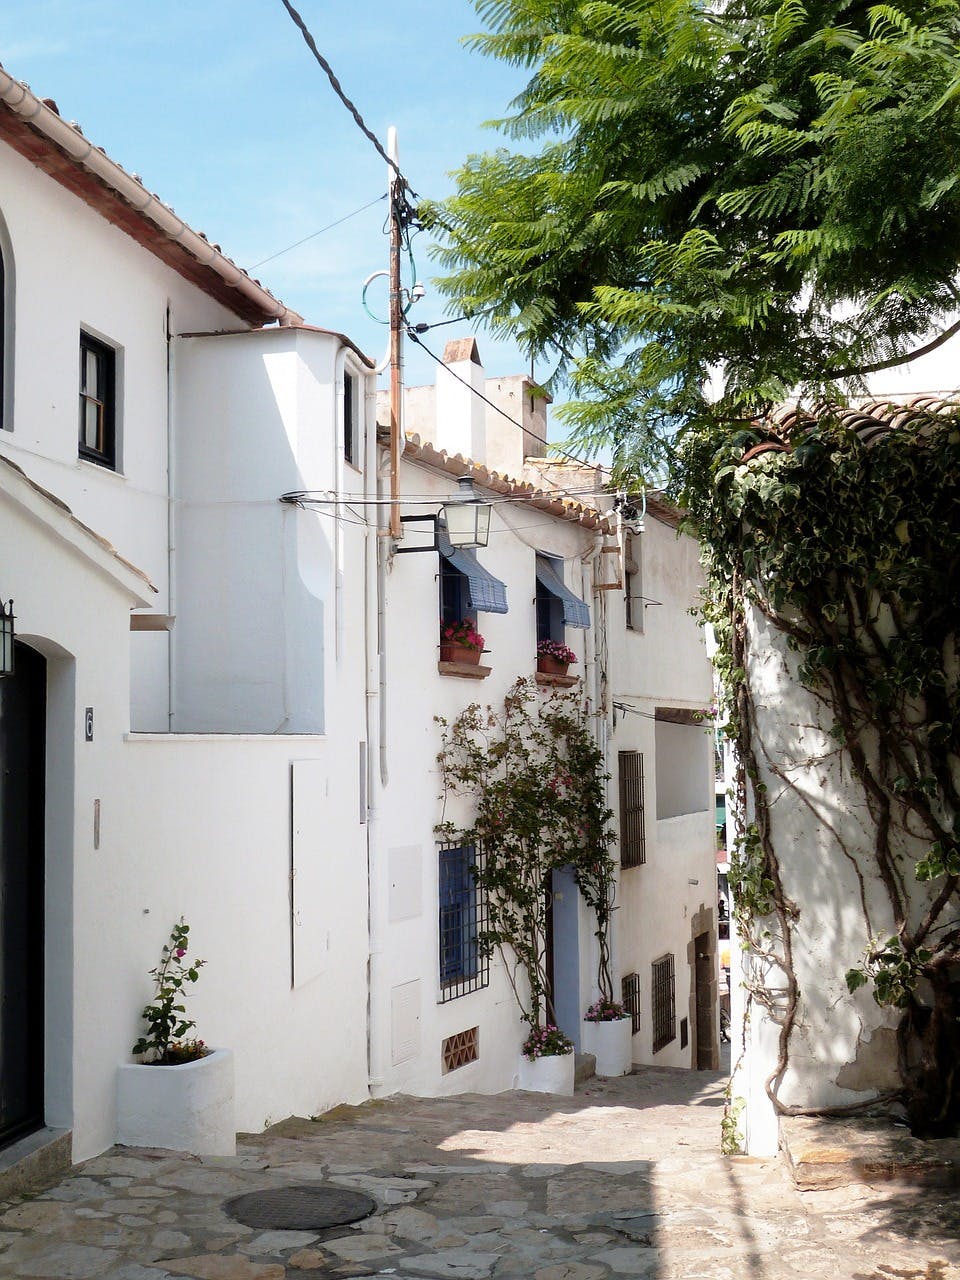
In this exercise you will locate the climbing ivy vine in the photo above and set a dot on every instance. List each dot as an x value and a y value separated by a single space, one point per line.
849 548
533 777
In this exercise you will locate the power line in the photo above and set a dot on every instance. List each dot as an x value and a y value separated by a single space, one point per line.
415 337
313 234
338 90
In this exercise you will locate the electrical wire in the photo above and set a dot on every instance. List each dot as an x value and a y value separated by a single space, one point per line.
338 90
313 234
435 499
415 337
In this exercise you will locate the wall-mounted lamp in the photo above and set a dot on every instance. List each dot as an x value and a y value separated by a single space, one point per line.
467 517
6 638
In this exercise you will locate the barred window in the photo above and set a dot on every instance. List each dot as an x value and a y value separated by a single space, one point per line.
463 914
663 1002
633 836
630 998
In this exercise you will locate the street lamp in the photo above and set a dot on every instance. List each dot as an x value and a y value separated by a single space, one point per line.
467 517
6 638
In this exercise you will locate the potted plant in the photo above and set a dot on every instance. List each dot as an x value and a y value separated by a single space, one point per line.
460 641
554 657
180 1094
608 1035
547 1063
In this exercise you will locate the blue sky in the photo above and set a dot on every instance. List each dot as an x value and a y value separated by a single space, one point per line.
221 109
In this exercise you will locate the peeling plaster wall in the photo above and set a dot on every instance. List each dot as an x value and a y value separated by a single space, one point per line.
843 1046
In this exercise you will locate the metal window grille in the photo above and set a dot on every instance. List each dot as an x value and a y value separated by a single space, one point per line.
460 1049
630 996
663 1002
462 916
633 835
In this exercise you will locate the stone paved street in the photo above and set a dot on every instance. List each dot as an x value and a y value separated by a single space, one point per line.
623 1180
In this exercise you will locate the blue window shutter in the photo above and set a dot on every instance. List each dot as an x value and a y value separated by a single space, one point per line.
576 612
487 593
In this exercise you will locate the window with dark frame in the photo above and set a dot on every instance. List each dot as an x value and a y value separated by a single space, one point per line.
351 442
633 835
462 917
663 1011
633 582
630 999
455 605
549 606
97 402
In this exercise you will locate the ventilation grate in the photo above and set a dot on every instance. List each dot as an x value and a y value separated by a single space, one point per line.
460 1049
630 997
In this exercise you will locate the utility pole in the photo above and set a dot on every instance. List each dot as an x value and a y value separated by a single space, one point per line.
395 196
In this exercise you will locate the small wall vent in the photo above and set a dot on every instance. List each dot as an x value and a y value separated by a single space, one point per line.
460 1049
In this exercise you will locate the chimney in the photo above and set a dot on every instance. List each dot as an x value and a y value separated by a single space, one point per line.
460 411
508 445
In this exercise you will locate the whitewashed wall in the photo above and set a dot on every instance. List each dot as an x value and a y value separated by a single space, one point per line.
843 1048
73 270
667 901
408 1025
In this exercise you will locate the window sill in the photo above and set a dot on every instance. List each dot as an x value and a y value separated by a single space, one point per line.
464 670
559 682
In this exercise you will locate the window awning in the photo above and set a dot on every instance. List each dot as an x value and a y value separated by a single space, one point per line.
576 613
487 593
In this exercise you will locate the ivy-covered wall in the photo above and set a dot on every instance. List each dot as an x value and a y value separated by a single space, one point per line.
833 557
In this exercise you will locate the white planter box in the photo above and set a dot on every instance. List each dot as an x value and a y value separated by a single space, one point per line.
187 1107
611 1043
551 1074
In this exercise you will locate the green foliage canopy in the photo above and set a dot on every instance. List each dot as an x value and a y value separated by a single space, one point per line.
770 187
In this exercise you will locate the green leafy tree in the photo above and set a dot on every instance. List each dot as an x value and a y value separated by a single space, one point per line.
770 188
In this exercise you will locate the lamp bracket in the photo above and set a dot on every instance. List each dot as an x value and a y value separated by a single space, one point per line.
433 519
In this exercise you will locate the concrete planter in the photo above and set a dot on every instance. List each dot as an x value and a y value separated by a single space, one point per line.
611 1043
187 1107
551 1074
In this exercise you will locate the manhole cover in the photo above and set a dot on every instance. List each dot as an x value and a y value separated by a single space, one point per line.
300 1208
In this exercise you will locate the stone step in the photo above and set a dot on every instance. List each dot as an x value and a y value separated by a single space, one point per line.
822 1153
37 1159
585 1068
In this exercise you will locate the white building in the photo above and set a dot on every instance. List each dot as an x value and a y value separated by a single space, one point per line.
240 729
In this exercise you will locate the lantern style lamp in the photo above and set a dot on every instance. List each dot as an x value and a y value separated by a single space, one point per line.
467 517
6 638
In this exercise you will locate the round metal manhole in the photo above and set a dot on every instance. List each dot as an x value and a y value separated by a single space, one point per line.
300 1208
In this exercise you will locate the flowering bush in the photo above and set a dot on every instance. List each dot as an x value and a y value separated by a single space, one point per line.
463 632
605 1011
545 1042
556 650
164 1017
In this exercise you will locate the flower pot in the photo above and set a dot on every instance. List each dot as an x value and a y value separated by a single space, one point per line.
187 1107
611 1043
553 1073
551 666
459 653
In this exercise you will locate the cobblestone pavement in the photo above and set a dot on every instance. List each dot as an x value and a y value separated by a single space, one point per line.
622 1180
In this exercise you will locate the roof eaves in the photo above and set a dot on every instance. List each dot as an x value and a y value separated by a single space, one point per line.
60 150
588 517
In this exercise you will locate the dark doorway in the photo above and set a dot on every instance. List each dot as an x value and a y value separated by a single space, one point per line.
23 699
704 994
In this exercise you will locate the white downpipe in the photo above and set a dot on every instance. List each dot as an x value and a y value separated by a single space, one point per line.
339 371
28 107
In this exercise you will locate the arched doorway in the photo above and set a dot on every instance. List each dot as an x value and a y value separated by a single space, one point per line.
23 698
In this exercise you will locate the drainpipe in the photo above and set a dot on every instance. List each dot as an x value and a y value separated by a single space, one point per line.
171 531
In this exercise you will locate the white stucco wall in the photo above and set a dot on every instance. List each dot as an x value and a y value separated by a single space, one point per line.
671 899
405 950
843 1047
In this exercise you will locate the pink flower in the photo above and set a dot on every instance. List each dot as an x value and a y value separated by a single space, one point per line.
180 952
